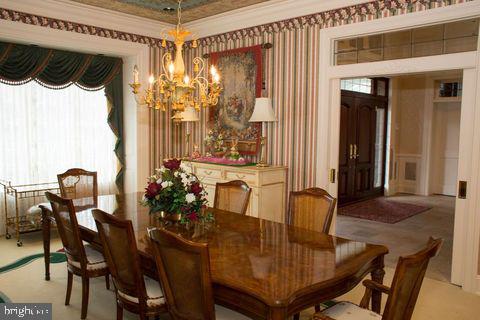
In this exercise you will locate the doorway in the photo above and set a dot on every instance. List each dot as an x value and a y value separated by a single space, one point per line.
417 130
363 118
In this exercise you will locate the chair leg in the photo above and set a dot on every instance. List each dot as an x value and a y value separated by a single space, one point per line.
119 312
296 316
69 287
143 316
85 289
317 308
107 281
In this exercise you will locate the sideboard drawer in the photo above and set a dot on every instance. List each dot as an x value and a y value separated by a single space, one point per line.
209 173
250 178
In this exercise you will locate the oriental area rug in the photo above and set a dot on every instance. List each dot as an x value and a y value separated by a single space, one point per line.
382 210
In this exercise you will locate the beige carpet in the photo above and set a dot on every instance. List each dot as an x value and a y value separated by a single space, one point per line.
438 300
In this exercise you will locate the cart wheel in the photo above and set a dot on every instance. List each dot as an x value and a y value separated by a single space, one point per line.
8 236
19 243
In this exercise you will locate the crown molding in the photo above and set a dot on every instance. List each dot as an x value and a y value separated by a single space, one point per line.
263 13
90 15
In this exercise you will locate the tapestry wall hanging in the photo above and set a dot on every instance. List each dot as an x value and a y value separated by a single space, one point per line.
241 71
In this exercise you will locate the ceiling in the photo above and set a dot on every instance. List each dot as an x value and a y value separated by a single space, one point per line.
161 9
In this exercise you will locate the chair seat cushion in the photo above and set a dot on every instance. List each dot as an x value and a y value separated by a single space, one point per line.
95 259
350 311
154 293
222 313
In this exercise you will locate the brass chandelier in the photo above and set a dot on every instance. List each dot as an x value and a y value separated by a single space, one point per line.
172 88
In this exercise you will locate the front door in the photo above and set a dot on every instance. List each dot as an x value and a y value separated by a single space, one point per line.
362 146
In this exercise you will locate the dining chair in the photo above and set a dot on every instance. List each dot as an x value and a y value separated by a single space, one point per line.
402 295
311 209
134 291
232 196
184 271
78 183
82 260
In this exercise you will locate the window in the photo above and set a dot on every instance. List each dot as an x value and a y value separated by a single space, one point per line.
458 36
363 85
45 132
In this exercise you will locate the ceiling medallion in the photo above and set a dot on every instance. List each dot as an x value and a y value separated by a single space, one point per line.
172 88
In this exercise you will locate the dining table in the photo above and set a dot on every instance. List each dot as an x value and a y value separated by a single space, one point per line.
260 268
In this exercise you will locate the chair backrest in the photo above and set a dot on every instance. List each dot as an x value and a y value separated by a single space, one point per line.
311 209
232 196
184 270
121 254
67 225
78 183
407 282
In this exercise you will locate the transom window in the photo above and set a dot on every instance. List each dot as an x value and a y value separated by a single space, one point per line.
453 37
363 85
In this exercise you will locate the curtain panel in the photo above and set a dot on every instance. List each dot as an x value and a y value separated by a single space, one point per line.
58 69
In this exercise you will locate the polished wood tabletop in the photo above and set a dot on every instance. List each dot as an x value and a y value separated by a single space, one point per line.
264 269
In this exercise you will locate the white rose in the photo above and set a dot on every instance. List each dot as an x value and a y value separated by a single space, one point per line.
176 174
166 184
159 180
190 197
184 166
160 170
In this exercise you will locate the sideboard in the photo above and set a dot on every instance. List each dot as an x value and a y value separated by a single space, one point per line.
269 186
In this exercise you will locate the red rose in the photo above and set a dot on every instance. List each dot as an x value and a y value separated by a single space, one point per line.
172 164
196 188
192 216
152 190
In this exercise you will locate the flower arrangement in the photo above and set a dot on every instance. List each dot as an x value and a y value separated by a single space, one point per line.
214 141
173 190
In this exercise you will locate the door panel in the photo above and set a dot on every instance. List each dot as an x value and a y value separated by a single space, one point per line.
365 150
359 152
346 175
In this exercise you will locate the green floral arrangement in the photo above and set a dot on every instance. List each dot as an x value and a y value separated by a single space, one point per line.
174 191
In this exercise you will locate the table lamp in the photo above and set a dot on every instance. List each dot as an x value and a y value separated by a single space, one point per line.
189 115
263 112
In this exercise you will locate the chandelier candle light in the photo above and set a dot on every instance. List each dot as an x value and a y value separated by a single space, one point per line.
173 89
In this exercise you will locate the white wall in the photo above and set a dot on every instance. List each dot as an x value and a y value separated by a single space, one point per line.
445 144
409 105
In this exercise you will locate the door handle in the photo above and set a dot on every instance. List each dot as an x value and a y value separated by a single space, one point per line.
355 152
351 151
462 189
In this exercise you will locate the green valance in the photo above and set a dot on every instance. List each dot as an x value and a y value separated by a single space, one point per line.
55 69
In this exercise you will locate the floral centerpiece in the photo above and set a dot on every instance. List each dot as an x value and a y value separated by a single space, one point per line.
176 192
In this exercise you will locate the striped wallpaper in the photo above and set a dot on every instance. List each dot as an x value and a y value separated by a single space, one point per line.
290 75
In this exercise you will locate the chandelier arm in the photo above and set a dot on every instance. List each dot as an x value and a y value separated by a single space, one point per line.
201 64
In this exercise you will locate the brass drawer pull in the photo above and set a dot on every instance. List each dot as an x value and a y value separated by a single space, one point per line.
208 173
240 176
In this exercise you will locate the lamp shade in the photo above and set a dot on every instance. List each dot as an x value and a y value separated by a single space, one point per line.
190 115
263 111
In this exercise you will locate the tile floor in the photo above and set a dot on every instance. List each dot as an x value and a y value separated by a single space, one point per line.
407 236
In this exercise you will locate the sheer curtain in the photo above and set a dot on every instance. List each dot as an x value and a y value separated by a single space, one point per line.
44 132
